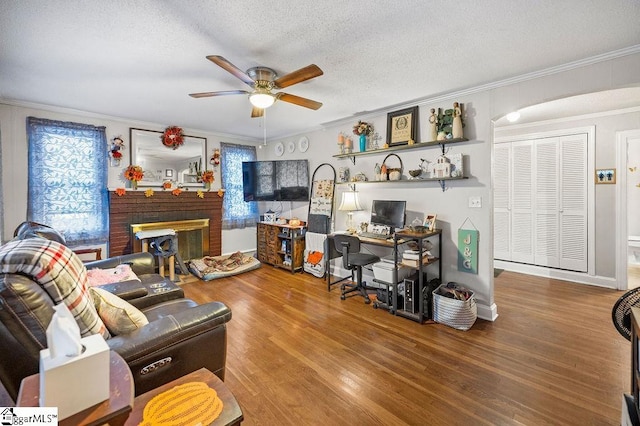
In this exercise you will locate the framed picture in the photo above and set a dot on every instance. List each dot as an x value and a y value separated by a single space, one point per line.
430 222
168 173
605 176
402 126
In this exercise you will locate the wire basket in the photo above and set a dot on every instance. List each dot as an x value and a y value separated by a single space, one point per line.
459 314
393 169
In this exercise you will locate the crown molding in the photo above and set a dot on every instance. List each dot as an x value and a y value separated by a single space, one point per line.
429 100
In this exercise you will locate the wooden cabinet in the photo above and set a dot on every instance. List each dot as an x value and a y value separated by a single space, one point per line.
281 245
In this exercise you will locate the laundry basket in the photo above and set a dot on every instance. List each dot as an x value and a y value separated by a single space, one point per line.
460 314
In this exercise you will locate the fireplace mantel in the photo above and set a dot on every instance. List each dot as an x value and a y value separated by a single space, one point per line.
163 206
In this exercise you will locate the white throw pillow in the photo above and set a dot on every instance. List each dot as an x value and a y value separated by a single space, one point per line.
120 316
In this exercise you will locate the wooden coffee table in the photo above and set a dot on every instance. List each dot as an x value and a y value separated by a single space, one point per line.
231 414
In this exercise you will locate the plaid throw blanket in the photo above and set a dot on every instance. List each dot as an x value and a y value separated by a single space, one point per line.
60 273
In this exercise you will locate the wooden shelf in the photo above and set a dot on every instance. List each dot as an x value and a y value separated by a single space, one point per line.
396 148
403 181
421 145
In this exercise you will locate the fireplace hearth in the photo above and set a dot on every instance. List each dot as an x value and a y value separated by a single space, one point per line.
135 208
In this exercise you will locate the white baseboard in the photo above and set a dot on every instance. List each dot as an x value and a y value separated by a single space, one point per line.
558 274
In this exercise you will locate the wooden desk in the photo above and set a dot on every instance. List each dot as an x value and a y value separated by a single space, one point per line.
114 411
332 253
231 413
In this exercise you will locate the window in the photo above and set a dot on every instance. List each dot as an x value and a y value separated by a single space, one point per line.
236 213
68 179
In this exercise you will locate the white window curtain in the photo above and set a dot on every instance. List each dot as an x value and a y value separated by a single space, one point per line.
236 213
68 179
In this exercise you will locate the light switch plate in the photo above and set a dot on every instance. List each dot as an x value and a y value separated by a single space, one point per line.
475 202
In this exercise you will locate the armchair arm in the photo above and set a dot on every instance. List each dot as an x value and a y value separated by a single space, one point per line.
176 344
141 263
126 290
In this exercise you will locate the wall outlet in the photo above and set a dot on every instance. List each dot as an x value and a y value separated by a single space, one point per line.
475 202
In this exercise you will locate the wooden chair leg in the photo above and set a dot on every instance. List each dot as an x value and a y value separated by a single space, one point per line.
172 268
161 265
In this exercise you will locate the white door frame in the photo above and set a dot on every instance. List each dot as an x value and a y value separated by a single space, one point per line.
622 138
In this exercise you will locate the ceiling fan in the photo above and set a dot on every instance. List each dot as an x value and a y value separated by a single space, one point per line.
263 80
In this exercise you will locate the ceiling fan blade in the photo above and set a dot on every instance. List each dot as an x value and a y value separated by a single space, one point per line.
303 74
257 112
293 99
222 93
228 66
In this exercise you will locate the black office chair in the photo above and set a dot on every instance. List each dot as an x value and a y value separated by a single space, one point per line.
352 259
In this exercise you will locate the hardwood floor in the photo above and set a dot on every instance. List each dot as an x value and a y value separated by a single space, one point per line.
298 355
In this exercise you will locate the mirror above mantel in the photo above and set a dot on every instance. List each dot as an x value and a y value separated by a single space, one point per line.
161 163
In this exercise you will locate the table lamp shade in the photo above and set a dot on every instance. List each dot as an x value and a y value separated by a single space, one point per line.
350 202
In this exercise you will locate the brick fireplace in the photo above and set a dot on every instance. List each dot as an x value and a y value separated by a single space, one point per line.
134 207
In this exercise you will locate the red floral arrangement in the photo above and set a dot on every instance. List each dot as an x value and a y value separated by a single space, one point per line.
207 177
173 137
134 173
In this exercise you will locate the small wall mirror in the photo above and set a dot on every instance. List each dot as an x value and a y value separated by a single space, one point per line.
161 163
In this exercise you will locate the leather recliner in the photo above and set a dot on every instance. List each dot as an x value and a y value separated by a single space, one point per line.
181 336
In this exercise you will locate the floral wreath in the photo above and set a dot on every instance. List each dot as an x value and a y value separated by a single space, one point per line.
173 137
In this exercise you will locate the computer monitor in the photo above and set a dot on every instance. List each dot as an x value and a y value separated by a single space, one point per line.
388 213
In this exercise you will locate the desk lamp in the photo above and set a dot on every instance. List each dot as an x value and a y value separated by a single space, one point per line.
350 204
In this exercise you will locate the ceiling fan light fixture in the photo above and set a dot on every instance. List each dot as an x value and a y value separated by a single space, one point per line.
261 99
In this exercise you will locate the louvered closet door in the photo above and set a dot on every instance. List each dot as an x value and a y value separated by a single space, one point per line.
522 202
501 201
547 201
573 203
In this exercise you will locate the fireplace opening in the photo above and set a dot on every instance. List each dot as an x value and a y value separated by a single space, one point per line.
193 236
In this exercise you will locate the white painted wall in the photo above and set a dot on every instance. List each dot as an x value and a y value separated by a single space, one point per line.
482 106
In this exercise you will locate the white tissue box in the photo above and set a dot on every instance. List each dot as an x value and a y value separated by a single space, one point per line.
73 384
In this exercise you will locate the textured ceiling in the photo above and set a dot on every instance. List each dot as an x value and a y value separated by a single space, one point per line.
139 59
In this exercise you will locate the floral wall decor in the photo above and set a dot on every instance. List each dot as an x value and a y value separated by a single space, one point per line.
215 158
115 150
173 137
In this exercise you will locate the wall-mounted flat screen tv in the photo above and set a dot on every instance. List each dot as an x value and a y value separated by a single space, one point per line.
281 180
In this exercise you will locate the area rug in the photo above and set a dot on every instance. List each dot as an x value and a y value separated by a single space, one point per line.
212 267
